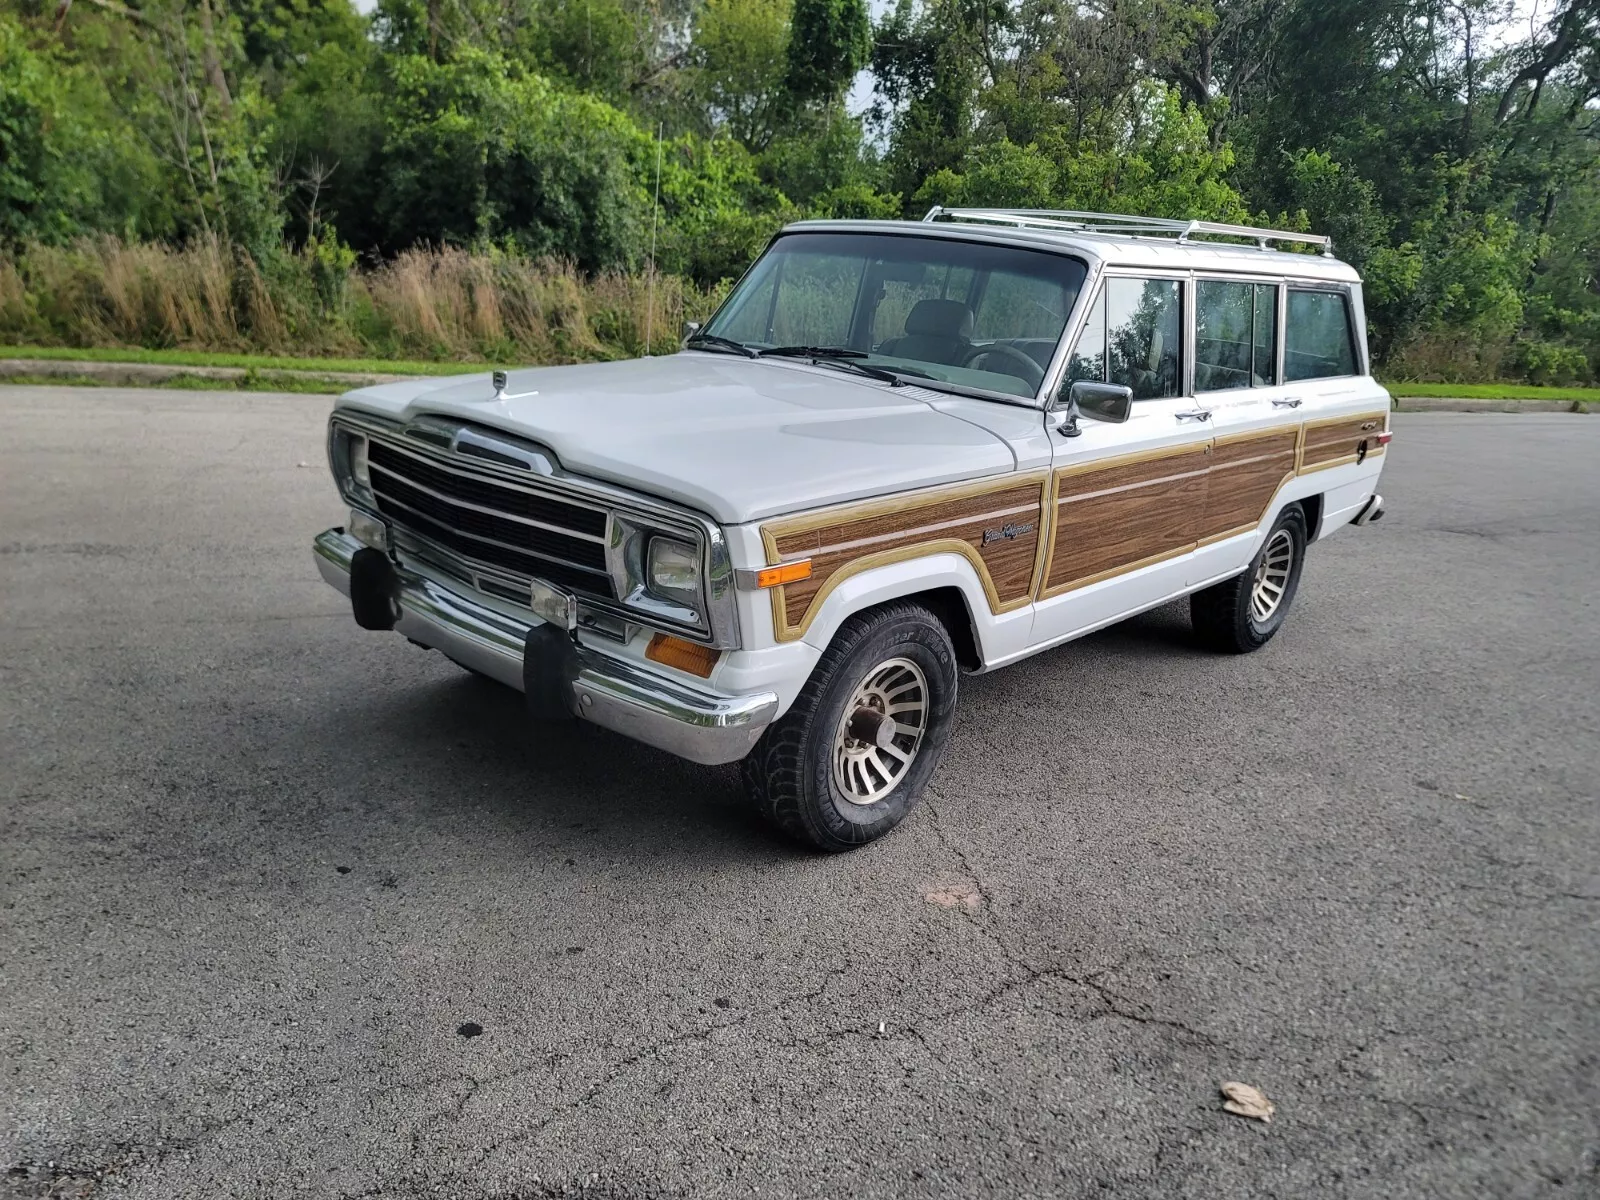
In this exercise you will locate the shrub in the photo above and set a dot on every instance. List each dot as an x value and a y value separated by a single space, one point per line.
445 303
1552 363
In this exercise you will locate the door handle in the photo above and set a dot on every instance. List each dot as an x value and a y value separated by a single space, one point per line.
1199 414
1286 402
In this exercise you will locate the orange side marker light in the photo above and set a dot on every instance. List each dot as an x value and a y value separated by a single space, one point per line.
789 572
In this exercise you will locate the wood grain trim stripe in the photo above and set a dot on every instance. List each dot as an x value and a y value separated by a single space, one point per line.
1335 441
1247 472
848 539
1123 513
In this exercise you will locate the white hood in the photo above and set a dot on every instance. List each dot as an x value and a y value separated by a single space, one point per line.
735 438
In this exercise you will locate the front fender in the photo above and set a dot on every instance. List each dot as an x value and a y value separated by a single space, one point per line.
994 634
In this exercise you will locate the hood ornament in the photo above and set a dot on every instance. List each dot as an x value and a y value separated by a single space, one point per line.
500 392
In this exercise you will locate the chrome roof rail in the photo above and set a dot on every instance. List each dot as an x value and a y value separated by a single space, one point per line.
1126 226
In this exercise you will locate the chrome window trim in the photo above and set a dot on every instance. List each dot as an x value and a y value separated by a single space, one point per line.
720 628
1256 278
1091 292
1353 315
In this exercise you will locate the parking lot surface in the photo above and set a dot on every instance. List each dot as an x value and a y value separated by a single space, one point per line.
293 909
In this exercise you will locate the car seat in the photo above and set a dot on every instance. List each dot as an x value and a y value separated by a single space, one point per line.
936 331
1147 381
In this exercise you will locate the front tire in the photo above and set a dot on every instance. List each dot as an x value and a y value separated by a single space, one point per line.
1242 614
850 758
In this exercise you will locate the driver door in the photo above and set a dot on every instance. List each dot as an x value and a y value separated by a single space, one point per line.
1126 498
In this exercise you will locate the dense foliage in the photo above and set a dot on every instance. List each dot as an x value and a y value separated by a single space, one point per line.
1451 147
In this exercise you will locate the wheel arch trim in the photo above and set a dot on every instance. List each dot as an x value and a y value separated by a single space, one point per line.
904 575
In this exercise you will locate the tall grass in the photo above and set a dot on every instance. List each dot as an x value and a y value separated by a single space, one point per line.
445 304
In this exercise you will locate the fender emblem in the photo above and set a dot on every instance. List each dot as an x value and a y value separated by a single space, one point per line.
1006 531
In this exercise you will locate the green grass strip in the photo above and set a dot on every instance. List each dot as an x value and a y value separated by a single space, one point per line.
381 366
1492 391
190 383
204 358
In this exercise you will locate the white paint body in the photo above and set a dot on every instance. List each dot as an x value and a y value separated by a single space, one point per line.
742 441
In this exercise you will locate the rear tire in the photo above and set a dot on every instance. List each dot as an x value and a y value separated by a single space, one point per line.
1242 614
814 776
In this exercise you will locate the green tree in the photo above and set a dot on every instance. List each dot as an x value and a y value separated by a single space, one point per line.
739 54
829 42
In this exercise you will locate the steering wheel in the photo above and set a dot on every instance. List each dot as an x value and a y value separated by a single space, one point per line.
1016 363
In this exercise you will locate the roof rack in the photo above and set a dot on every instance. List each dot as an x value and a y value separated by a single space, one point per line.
1091 222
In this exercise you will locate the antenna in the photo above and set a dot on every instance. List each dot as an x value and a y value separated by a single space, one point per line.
655 220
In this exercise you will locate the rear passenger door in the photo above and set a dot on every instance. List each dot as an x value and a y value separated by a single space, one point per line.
1238 379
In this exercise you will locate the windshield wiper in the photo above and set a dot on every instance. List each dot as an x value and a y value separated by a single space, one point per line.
838 356
710 340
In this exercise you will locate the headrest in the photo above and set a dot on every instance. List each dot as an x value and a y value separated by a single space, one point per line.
941 318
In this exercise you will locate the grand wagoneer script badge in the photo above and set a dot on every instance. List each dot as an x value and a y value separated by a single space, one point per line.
1007 531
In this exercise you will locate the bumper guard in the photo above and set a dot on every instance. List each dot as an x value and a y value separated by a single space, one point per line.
614 692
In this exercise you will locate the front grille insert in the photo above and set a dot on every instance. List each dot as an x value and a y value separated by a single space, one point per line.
491 523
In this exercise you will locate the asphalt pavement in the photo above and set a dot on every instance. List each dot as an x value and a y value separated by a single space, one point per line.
288 908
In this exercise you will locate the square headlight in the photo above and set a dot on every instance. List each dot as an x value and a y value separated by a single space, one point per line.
672 571
360 471
347 456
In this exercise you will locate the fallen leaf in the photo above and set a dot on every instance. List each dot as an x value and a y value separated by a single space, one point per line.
1246 1101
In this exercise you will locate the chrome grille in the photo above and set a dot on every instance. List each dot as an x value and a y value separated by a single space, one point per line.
490 523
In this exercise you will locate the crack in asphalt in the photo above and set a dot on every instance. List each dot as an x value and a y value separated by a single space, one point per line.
621 1066
1115 1004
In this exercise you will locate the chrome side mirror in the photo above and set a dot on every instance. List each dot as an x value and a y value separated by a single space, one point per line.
690 328
1111 402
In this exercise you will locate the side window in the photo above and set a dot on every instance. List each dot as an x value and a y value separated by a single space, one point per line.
1235 335
1266 336
1318 341
1089 355
1143 335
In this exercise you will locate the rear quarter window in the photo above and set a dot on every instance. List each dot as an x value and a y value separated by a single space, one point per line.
1319 340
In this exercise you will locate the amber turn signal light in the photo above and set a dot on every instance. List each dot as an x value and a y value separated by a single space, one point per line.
789 572
686 656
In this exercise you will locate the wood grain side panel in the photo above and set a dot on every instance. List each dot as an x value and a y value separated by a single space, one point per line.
1126 513
1246 472
1336 440
843 541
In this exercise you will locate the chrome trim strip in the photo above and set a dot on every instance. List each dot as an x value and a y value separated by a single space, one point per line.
488 541
681 718
447 460
597 538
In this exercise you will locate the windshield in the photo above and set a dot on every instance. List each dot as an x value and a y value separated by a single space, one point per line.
970 315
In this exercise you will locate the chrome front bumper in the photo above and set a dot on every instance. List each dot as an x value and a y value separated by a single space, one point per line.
606 689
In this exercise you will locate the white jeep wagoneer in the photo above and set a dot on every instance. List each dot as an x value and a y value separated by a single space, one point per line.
899 450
